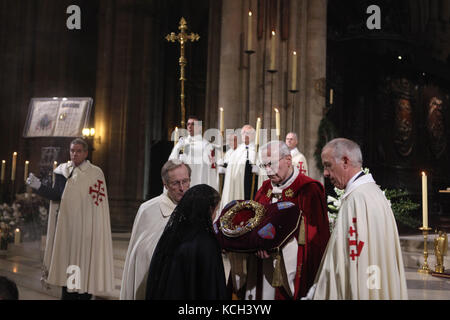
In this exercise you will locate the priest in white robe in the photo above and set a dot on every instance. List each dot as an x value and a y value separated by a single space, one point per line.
198 154
148 227
363 259
298 159
239 171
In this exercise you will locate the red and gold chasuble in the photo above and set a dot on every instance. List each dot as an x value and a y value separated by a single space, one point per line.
309 195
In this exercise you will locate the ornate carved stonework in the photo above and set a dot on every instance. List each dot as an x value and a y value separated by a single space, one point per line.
434 104
403 135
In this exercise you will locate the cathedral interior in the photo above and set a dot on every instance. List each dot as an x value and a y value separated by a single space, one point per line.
380 78
389 86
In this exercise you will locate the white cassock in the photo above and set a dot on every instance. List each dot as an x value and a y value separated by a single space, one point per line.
299 160
79 231
148 227
363 258
233 187
197 154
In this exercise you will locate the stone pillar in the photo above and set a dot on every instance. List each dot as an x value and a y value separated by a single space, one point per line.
316 52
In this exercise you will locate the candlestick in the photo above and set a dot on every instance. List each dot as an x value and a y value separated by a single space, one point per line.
424 200
277 123
425 268
13 169
331 96
294 71
272 51
25 171
17 236
249 32
2 178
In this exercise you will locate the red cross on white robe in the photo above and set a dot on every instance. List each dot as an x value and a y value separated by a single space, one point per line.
355 246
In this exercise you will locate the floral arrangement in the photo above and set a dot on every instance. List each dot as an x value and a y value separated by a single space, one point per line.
398 199
28 213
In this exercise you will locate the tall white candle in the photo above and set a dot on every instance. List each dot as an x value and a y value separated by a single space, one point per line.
25 171
13 169
258 129
177 137
2 178
222 122
331 96
277 123
294 71
249 32
17 236
424 200
272 51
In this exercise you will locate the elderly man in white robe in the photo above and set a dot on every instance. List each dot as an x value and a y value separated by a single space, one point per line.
239 171
198 153
363 259
148 226
298 159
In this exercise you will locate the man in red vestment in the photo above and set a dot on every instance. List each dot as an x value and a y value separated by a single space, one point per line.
302 254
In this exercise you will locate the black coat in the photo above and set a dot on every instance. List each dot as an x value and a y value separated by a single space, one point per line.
194 271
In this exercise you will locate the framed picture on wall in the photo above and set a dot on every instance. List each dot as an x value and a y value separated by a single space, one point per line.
57 117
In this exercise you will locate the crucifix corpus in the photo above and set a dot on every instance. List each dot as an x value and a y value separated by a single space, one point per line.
182 38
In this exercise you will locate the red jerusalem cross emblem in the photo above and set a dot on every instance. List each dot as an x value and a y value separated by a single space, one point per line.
300 167
97 192
353 241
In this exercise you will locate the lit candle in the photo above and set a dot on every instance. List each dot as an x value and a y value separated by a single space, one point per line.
424 200
272 51
258 129
294 71
2 178
55 164
13 169
277 123
17 236
331 96
176 138
25 172
249 32
222 122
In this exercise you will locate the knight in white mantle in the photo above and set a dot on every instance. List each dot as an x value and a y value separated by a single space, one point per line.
363 259
148 227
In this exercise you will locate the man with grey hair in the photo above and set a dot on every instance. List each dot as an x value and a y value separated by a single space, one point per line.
363 260
79 230
298 159
149 224
300 255
241 164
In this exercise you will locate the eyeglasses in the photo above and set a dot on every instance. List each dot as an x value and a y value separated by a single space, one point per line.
183 183
270 164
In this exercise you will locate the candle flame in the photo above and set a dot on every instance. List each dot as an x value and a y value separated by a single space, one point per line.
276 110
17 230
295 53
249 13
3 161
15 153
273 33
423 173
27 162
221 109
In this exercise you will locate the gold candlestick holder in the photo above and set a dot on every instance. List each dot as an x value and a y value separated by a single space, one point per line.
425 268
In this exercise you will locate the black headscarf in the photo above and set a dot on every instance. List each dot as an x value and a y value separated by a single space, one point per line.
191 217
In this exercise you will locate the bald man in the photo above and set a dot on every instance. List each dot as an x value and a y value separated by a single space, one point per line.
241 165
298 159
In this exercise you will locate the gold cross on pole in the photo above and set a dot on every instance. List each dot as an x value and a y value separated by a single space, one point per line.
182 38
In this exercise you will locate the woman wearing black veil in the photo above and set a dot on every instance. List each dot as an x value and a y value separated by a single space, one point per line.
187 263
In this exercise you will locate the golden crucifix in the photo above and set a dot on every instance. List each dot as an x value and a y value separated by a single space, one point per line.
182 38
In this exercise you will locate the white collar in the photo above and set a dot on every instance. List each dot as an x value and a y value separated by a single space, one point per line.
280 188
295 152
353 184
